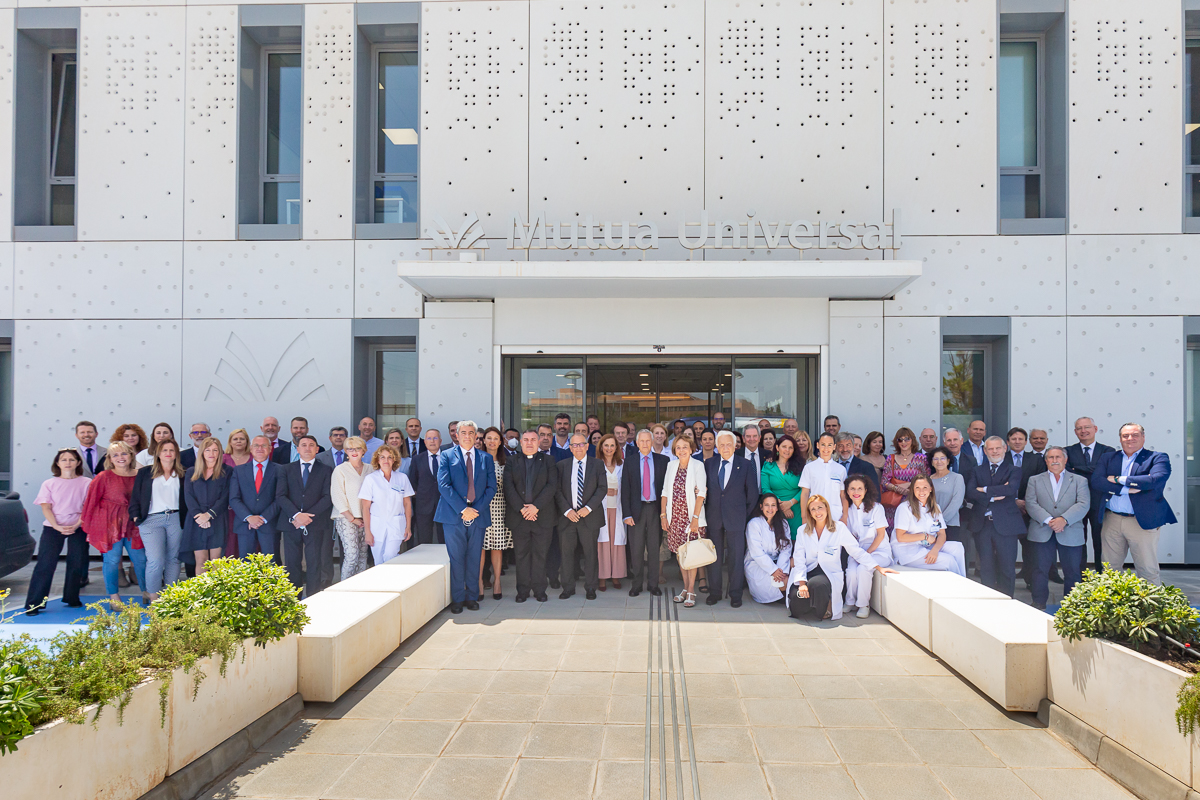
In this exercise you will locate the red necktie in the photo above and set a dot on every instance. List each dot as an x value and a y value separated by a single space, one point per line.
258 479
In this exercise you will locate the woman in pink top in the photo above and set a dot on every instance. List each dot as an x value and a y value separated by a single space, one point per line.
61 499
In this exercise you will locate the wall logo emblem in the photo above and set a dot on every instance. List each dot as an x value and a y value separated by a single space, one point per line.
465 239
294 375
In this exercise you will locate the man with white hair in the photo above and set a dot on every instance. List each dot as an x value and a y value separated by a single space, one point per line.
467 482
732 496
996 521
1082 458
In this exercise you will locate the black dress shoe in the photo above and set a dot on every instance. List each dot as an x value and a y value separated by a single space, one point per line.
76 604
472 605
591 594
33 612
713 599
456 608
735 603
521 598
540 597
634 592
566 595
554 584
657 592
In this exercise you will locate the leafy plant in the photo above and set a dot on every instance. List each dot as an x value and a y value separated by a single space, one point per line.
251 597
1122 607
1187 712
20 701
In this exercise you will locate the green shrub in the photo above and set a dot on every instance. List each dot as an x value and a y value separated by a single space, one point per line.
20 701
253 597
1187 712
1124 608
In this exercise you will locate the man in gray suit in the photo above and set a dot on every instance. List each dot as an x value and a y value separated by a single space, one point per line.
1057 502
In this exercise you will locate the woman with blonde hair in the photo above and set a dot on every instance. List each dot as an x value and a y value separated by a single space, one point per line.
237 450
398 440
920 536
206 492
156 505
685 486
347 512
804 447
386 496
815 585
106 517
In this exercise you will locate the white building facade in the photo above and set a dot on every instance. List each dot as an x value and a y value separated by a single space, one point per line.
902 212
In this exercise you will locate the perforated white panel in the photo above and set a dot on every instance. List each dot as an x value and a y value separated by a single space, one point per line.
1104 384
616 121
377 290
6 280
856 365
131 94
268 279
474 112
794 109
940 115
240 371
454 380
108 372
1126 116
210 135
1133 274
101 280
1038 376
912 368
992 275
328 121
7 18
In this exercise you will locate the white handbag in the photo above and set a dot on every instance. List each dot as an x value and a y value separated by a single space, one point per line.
696 553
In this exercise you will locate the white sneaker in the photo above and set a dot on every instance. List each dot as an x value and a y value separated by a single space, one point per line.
863 613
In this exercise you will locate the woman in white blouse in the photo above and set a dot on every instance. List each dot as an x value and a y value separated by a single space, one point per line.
611 544
817 578
920 535
768 551
868 523
684 489
347 512
386 496
160 433
156 506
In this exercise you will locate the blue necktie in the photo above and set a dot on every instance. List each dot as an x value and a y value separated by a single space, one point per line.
721 473
579 485
337 457
304 474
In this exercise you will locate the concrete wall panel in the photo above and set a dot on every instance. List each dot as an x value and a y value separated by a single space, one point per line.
269 279
98 280
856 359
912 369
210 133
328 185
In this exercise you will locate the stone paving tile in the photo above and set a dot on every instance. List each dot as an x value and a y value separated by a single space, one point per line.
1057 784
918 714
895 782
369 705
459 778
459 680
979 783
793 746
489 739
870 746
981 714
557 740
438 705
531 659
744 781
792 713
500 707
631 708
414 737
720 744
855 647
831 686
950 748
849 714
779 686
297 776
624 743
574 708
538 780
331 736
717 711
379 778
623 780
574 683
523 682
827 664
1031 748
808 781
895 687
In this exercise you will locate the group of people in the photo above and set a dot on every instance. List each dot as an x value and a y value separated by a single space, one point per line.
795 520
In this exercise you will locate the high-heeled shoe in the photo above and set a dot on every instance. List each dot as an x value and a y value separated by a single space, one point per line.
616 584
496 595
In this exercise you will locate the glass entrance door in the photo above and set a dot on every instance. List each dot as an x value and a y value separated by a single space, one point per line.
657 391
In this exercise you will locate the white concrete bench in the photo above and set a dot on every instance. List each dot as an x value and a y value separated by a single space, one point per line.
905 598
997 645
427 554
421 588
350 633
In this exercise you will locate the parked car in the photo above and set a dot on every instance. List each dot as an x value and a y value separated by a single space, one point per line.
16 545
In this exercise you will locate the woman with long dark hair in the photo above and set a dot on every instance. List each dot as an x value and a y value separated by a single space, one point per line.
868 523
768 551
61 498
156 506
781 477
162 432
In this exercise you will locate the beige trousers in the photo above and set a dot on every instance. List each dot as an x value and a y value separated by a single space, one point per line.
1123 534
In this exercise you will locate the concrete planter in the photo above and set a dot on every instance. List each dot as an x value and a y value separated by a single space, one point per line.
1125 696
122 760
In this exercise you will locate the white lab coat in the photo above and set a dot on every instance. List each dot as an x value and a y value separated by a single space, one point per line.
951 558
825 552
763 557
387 512
613 501
864 525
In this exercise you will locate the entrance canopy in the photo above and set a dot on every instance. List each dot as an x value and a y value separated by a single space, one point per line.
852 280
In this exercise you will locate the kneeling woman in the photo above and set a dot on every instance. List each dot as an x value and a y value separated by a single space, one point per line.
768 551
867 522
817 577
920 535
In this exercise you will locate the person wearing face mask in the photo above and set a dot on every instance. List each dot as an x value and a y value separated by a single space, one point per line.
512 441
868 524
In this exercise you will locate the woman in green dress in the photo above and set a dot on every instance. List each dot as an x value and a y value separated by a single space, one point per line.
781 478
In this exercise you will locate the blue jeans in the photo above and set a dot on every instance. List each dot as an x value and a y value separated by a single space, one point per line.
464 544
161 536
1071 559
112 565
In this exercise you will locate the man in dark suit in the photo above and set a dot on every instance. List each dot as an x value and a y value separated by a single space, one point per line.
641 488
422 474
962 461
530 487
252 497
627 446
1082 458
335 456
288 452
732 495
582 487
467 482
751 451
412 429
93 454
844 442
199 432
302 493
996 520
1029 464
1131 481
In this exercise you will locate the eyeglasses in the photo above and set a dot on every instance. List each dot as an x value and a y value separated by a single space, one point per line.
201 433
579 444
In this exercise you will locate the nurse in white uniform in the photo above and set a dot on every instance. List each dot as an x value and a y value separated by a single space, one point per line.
386 498
825 477
815 585
920 536
868 523
768 551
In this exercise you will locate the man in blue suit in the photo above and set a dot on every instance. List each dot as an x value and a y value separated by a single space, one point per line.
995 520
1082 458
1131 481
467 481
732 495
252 496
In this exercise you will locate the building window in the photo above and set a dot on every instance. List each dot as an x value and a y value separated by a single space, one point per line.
1020 141
394 378
62 138
1191 125
395 161
1192 372
281 162
964 386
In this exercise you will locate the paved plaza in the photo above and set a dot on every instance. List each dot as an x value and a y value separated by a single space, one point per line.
548 701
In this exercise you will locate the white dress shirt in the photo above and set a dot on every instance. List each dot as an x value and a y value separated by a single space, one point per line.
164 494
